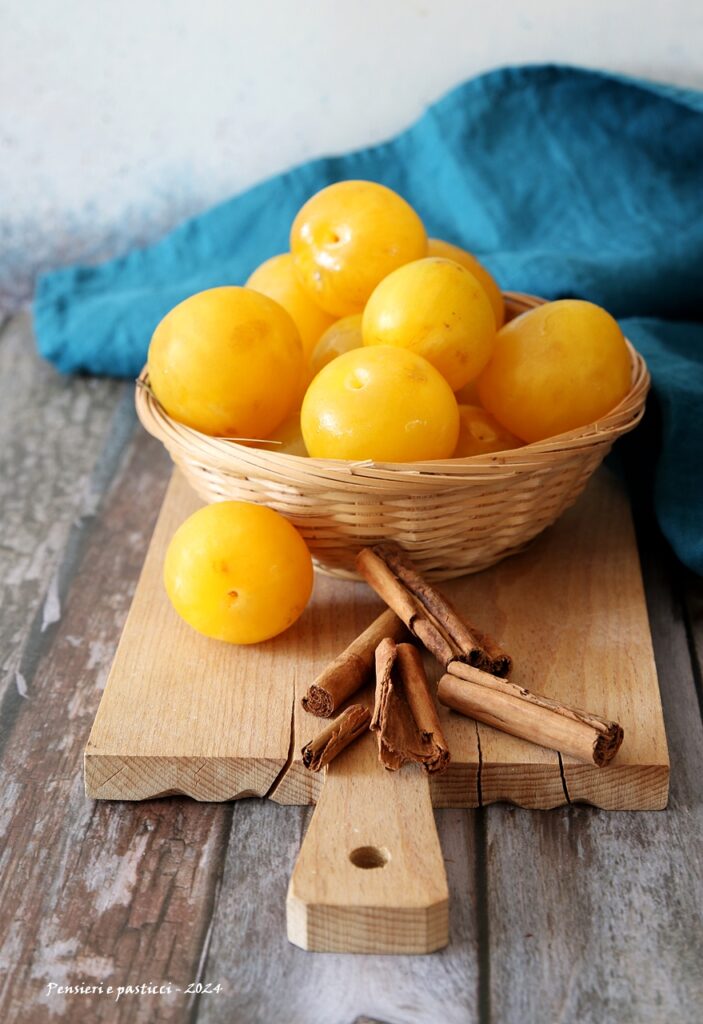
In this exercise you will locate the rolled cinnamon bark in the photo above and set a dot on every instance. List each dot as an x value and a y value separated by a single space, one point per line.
405 717
338 735
530 716
427 613
352 668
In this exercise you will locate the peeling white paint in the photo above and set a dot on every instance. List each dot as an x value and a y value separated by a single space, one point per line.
114 882
89 502
100 657
51 611
99 653
53 961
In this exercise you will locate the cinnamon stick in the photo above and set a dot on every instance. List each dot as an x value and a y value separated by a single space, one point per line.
351 669
405 717
515 710
338 735
427 613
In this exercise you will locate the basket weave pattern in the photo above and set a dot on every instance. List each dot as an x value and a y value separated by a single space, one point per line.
454 516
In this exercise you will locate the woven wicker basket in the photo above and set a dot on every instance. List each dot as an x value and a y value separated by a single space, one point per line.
455 516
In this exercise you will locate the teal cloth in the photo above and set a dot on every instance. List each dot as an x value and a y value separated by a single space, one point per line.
566 182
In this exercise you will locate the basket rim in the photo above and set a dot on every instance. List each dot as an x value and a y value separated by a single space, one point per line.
223 452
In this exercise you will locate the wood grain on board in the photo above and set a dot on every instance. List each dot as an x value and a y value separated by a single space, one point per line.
185 714
571 611
370 876
181 713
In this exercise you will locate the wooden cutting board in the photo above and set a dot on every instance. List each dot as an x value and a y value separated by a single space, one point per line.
183 714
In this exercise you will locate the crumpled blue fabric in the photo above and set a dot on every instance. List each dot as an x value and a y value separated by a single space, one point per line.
566 182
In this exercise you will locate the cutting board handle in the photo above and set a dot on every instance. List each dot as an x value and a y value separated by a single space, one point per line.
370 876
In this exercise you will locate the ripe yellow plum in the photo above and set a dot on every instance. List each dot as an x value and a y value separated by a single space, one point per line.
481 434
436 308
348 237
228 362
238 572
342 336
555 368
277 279
436 247
381 403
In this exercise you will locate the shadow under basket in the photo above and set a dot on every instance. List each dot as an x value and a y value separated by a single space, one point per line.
454 516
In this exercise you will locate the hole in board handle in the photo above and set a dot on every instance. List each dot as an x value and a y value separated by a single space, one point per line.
370 857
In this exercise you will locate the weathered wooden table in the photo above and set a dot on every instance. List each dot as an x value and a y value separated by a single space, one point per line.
571 915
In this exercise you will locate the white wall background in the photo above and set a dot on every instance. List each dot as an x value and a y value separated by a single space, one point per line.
120 117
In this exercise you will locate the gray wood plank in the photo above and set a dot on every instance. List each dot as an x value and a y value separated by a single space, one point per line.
112 893
268 979
52 430
596 916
